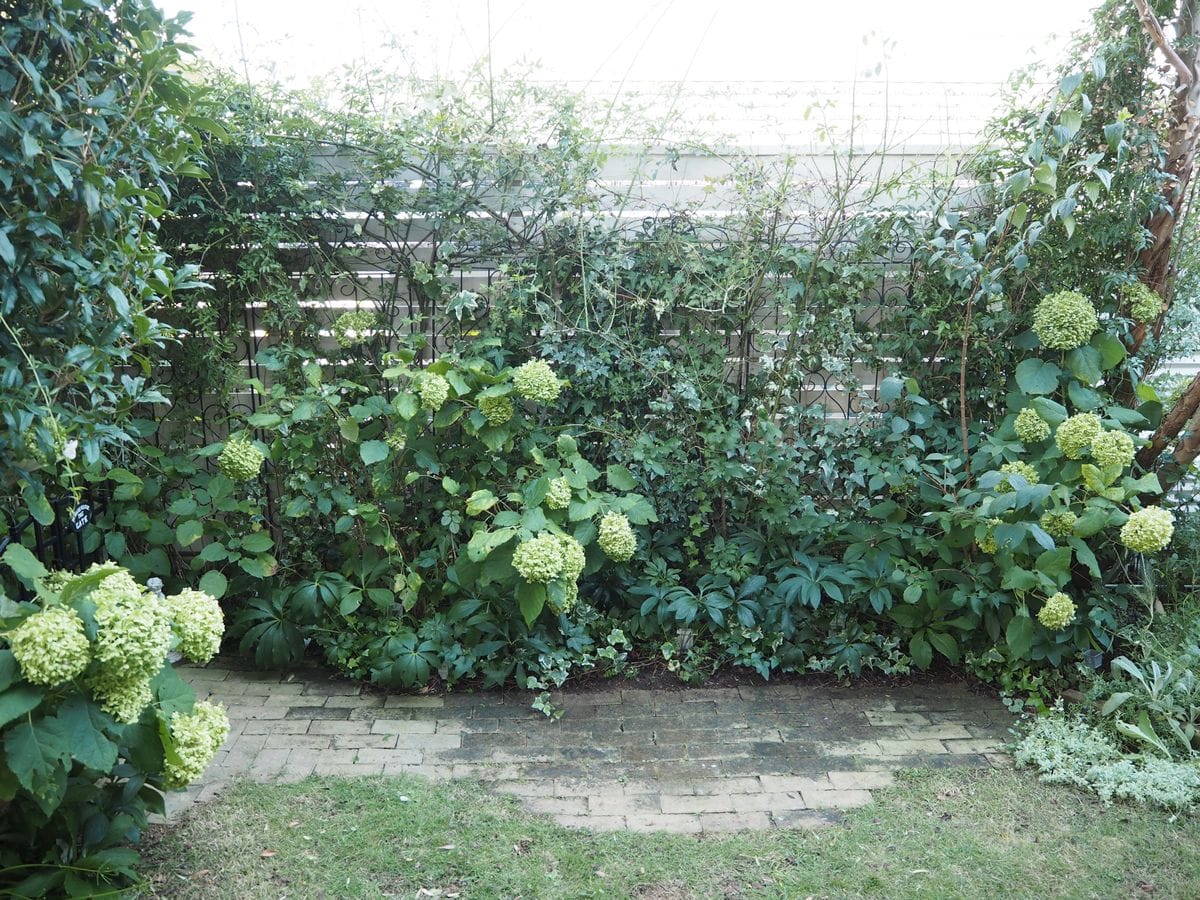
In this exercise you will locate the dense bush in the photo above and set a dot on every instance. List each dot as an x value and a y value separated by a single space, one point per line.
95 124
95 724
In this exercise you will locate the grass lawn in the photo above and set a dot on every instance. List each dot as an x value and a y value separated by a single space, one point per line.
947 834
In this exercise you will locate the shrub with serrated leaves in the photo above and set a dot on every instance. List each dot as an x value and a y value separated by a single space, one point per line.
78 775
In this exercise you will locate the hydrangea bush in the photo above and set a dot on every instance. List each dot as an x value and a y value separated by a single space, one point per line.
95 724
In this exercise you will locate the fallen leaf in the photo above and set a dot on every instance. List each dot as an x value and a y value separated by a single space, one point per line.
446 847
521 847
295 823
267 854
201 873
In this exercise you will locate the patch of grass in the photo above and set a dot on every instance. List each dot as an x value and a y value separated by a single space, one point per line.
947 834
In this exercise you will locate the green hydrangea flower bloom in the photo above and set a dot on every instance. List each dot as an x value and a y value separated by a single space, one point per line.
197 736
1076 434
535 380
240 460
1113 448
1148 530
352 328
122 698
569 599
1024 469
396 440
573 557
1030 427
616 537
1057 612
558 495
134 629
988 542
433 390
539 559
1143 303
1058 523
51 646
198 623
497 410
1065 320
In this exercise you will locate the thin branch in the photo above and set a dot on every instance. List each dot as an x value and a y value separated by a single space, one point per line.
1187 75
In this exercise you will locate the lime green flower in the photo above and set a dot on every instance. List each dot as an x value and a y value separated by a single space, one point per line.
240 460
1143 303
1024 469
433 390
198 623
1113 448
1076 434
988 542
616 538
353 327
497 410
539 559
125 699
134 629
1148 530
197 737
558 495
535 380
1065 320
1058 523
570 597
1057 612
1030 427
573 557
396 440
50 646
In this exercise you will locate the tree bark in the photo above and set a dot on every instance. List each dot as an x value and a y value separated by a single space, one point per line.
1155 260
1172 423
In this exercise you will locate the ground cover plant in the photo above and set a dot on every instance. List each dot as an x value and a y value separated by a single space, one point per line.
970 834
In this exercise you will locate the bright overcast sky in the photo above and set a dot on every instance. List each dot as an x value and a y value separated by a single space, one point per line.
724 41
728 40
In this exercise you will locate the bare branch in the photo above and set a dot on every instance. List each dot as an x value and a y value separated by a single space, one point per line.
1187 75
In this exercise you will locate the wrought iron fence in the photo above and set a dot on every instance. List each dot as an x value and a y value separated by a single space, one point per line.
70 541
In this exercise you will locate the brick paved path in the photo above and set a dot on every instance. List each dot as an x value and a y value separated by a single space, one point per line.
682 760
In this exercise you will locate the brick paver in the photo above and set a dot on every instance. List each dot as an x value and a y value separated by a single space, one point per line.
700 760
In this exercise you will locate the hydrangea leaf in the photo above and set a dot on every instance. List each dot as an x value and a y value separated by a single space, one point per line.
372 452
1036 376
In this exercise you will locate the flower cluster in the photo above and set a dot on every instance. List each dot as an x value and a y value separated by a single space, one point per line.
616 538
1059 523
198 623
497 410
558 495
396 440
1030 427
574 560
50 646
1143 303
1065 320
353 327
1023 469
134 634
1113 448
1076 434
1148 530
197 737
433 390
240 460
535 380
988 542
1057 612
539 559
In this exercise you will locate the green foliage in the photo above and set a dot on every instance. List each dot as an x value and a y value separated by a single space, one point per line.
97 123
76 777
